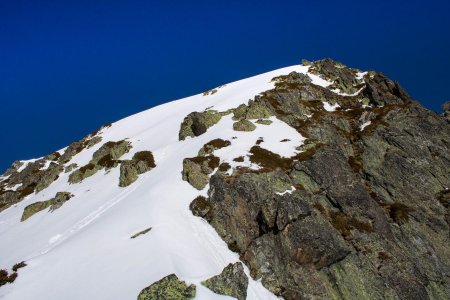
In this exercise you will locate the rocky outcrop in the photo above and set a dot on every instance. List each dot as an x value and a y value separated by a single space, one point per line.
344 79
170 287
368 217
35 176
231 282
54 203
196 123
106 157
130 170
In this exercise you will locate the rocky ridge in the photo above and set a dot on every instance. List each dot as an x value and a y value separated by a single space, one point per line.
367 216
359 211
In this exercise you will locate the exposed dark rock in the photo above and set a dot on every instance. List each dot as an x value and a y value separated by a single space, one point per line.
168 288
54 203
231 282
196 123
369 216
130 170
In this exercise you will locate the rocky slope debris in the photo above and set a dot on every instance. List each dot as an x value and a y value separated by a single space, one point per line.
36 175
106 157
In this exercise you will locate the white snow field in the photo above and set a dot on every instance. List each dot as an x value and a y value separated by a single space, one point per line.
83 250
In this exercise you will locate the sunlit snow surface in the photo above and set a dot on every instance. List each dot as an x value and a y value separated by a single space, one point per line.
83 250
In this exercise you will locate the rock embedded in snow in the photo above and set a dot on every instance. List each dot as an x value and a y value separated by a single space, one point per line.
212 145
168 288
200 206
106 157
231 282
244 125
264 122
196 123
54 203
196 170
130 170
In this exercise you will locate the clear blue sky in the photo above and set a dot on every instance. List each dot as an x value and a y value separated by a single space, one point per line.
67 67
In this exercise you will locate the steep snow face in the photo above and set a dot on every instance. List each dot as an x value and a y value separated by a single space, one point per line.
83 250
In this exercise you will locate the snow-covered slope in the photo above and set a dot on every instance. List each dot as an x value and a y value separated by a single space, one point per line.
83 250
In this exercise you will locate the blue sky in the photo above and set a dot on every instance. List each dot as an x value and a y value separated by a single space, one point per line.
67 67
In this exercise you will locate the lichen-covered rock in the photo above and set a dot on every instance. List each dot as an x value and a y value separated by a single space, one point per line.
369 216
54 203
196 123
264 122
106 157
168 288
257 111
244 125
48 176
240 112
36 175
231 282
343 78
196 170
33 177
70 168
112 149
130 170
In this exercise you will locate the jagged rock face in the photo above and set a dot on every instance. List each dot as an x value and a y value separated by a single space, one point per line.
369 216
231 282
170 287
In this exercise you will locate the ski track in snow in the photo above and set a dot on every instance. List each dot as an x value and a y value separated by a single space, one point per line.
86 243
